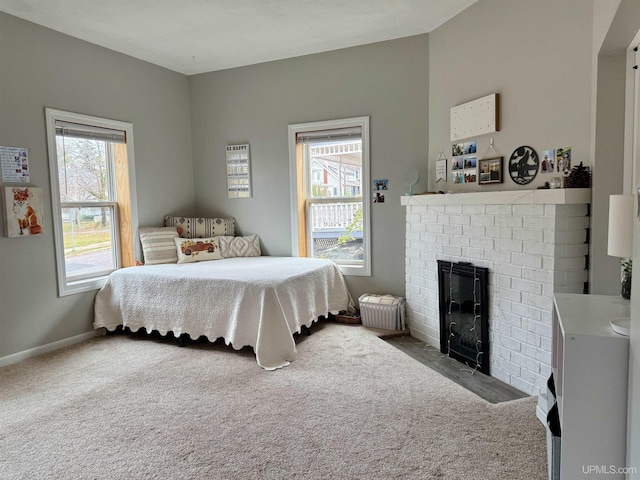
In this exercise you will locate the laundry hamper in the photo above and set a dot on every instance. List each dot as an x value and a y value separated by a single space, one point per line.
382 311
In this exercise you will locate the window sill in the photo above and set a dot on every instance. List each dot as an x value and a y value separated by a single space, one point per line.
81 286
352 271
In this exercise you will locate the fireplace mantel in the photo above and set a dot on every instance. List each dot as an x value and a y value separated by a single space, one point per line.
548 196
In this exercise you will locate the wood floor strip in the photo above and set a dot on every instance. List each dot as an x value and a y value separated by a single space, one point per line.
489 388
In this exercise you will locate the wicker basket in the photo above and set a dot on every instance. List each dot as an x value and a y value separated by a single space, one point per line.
349 319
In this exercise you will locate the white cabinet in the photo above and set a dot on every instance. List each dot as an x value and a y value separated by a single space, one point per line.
590 364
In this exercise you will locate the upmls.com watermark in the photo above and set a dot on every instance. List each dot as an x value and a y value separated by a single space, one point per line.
608 470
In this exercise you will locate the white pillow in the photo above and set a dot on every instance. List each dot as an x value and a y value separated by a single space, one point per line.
158 245
197 249
247 246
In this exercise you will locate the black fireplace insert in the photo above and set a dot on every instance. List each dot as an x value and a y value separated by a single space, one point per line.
464 313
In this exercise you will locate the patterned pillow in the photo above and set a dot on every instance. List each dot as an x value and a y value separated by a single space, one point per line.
193 227
158 245
197 250
247 246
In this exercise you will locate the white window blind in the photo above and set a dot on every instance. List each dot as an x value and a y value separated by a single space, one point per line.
332 135
89 132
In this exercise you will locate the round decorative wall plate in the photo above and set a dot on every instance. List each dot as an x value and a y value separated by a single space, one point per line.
523 165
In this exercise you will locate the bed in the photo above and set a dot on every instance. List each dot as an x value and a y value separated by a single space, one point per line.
256 301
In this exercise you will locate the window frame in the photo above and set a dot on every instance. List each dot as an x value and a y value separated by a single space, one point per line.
82 284
293 131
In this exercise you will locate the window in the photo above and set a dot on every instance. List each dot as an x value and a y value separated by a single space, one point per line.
329 168
92 192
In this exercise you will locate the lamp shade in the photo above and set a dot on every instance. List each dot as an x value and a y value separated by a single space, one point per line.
620 226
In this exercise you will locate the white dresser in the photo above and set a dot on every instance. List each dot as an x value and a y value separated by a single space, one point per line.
590 364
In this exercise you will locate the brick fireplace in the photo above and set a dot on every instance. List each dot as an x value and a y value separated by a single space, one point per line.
534 243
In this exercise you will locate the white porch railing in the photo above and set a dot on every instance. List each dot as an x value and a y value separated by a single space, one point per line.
329 216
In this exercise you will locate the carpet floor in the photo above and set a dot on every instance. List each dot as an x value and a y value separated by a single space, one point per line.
350 407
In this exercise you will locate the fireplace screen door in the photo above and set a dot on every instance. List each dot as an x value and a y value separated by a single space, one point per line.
464 313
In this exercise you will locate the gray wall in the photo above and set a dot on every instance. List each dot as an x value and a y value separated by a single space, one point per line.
42 68
621 31
540 57
608 168
616 24
387 81
537 56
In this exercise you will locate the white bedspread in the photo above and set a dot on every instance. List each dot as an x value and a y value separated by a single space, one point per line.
256 301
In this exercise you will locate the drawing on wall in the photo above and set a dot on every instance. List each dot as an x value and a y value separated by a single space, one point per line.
24 213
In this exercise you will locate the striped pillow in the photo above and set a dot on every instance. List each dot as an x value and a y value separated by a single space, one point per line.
158 244
201 227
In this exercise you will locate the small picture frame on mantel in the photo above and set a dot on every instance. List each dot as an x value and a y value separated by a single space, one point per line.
490 170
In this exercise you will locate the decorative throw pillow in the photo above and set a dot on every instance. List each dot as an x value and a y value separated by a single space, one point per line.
247 246
197 250
158 245
199 227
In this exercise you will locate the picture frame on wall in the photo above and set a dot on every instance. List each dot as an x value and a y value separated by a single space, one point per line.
238 171
490 170
24 211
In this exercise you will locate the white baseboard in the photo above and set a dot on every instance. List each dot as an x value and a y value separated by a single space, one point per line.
49 347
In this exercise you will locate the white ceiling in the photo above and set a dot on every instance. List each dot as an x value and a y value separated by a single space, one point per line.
196 36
